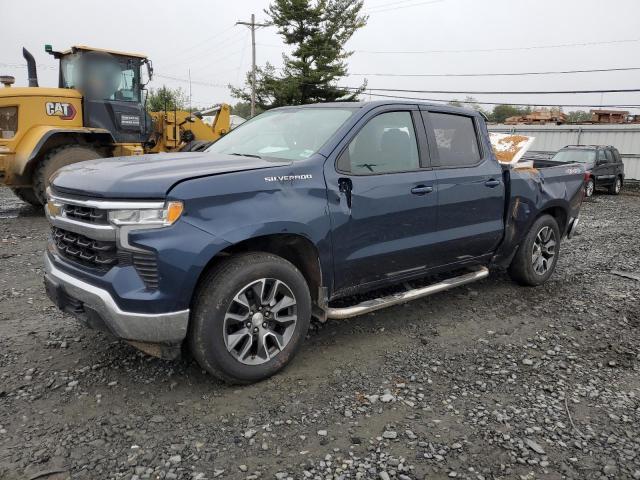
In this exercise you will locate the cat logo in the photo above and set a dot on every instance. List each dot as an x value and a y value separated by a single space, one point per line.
65 111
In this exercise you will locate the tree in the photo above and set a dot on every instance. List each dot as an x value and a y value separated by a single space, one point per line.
166 98
243 109
502 112
318 30
469 102
578 116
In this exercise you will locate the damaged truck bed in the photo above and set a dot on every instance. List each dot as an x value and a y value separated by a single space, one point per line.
232 250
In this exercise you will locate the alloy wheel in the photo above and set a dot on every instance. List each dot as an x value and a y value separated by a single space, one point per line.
260 321
590 188
544 250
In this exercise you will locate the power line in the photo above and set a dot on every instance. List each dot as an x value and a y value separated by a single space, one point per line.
381 9
548 92
186 80
509 74
20 65
486 50
218 36
386 4
474 102
231 39
504 49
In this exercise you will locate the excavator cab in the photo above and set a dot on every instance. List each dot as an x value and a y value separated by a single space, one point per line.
112 85
98 111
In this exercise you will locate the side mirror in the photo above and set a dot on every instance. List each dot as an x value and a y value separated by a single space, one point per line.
149 68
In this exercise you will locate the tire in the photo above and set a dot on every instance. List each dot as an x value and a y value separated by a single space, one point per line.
589 188
219 338
532 265
616 186
56 159
27 195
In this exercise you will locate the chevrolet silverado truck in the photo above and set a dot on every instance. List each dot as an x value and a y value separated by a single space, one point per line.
230 252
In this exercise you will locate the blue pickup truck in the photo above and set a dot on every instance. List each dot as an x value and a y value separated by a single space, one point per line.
230 252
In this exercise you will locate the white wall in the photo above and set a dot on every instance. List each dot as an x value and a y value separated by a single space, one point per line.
550 138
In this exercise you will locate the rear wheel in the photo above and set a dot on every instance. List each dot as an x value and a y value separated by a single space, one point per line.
27 195
250 317
616 186
589 188
537 255
56 159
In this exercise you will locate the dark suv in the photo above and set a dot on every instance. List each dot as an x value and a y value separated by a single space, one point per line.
603 164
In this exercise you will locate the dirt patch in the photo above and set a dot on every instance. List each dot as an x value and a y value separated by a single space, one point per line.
488 381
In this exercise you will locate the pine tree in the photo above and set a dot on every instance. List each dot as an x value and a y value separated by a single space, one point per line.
318 31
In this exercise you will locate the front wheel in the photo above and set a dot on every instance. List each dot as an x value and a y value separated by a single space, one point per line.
537 255
56 159
250 317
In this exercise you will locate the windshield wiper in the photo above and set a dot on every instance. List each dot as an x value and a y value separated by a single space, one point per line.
246 155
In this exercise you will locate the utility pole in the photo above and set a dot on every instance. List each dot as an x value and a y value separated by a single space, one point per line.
253 25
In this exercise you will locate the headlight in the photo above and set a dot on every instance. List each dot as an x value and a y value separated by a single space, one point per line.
8 122
162 217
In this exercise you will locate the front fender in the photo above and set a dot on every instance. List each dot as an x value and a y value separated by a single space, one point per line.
36 142
240 206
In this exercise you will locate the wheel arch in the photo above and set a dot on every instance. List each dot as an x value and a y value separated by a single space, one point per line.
42 140
295 248
559 214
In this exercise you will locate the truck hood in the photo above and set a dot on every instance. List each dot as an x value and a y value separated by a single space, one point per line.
148 176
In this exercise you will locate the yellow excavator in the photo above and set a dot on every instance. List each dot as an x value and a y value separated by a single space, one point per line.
98 110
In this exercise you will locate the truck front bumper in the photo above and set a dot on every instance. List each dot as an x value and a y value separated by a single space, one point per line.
97 309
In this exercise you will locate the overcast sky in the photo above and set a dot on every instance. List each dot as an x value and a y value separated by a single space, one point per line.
462 36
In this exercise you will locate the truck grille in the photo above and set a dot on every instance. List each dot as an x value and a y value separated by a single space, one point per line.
84 250
86 214
89 216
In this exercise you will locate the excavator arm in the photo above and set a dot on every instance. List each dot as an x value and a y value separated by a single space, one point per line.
183 131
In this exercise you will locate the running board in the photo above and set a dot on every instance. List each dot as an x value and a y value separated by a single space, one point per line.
396 298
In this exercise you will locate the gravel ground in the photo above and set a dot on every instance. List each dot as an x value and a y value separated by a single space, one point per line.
487 381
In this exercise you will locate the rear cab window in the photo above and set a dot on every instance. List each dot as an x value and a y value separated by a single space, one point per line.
456 139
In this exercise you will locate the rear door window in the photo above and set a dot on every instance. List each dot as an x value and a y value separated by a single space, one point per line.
610 158
616 155
456 139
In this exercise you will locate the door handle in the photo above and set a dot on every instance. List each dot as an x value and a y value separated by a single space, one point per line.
421 189
345 186
492 183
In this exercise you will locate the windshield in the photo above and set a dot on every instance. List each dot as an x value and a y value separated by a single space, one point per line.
101 76
575 156
291 134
